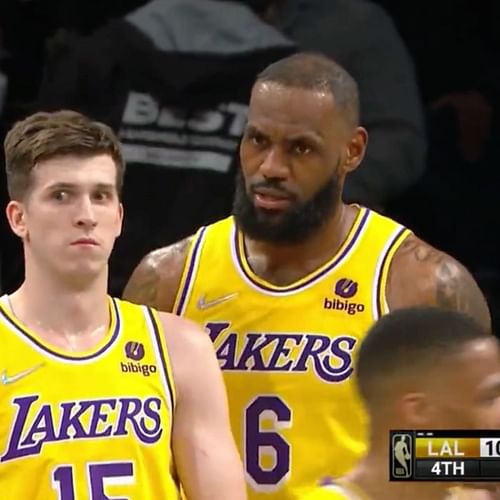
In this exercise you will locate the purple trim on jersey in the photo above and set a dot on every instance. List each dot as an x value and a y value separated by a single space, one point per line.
380 307
192 263
164 365
67 357
327 481
312 279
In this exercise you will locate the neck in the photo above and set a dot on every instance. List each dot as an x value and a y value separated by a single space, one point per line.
371 475
307 255
47 304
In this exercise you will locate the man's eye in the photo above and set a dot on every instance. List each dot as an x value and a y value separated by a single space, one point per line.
60 195
102 196
257 139
301 149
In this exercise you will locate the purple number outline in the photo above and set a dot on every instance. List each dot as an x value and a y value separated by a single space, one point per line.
64 490
262 479
97 473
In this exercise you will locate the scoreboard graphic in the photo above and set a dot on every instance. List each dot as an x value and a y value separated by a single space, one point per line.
444 455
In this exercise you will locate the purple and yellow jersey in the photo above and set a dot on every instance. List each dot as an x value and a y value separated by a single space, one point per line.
88 425
343 490
287 351
337 490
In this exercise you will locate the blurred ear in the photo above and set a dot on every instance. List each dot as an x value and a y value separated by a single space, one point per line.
120 220
16 215
356 149
415 410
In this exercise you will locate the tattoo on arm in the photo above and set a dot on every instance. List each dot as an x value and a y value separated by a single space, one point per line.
420 251
456 289
143 285
452 286
156 279
450 294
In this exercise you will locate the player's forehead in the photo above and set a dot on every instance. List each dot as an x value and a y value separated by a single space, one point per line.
272 104
481 355
476 366
75 170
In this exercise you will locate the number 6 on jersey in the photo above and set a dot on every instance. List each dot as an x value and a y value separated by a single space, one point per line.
267 454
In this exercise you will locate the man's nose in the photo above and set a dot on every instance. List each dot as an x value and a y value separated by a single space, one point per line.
274 165
85 216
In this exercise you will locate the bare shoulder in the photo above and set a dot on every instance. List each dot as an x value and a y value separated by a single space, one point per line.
156 279
422 275
184 334
189 347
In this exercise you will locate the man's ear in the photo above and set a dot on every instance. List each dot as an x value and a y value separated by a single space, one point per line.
415 409
16 215
356 148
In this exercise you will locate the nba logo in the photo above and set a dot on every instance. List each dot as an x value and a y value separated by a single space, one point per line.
401 455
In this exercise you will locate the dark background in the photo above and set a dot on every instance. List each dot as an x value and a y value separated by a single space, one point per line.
455 47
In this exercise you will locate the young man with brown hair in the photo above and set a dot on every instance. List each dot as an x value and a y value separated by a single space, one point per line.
101 398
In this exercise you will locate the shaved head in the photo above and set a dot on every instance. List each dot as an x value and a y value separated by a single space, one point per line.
317 73
409 345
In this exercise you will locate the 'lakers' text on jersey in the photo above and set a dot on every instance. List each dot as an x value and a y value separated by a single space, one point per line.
287 351
87 426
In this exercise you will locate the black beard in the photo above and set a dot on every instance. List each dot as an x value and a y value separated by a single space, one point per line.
293 226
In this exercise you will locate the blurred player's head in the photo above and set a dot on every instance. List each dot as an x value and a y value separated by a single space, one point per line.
64 176
426 368
301 140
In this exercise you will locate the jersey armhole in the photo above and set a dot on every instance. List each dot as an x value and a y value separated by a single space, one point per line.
189 273
381 306
159 343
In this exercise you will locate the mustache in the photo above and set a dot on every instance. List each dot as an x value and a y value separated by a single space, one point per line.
276 184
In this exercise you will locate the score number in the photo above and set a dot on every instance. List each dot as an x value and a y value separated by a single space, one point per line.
489 447
259 442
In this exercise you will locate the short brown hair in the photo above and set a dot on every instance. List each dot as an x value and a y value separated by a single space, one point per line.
43 135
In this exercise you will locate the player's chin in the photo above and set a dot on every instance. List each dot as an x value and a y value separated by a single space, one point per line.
275 215
85 267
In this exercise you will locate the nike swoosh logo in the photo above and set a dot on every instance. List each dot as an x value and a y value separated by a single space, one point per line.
5 379
204 304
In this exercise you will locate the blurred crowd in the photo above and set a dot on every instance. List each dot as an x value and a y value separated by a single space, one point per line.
172 77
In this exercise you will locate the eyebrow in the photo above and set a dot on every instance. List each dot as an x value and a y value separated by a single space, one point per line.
70 185
307 135
253 129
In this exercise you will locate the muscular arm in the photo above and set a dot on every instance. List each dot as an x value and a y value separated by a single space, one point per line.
421 275
205 453
156 279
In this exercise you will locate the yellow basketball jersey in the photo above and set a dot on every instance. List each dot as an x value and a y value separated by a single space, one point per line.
287 351
90 425
336 490
341 490
328 493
